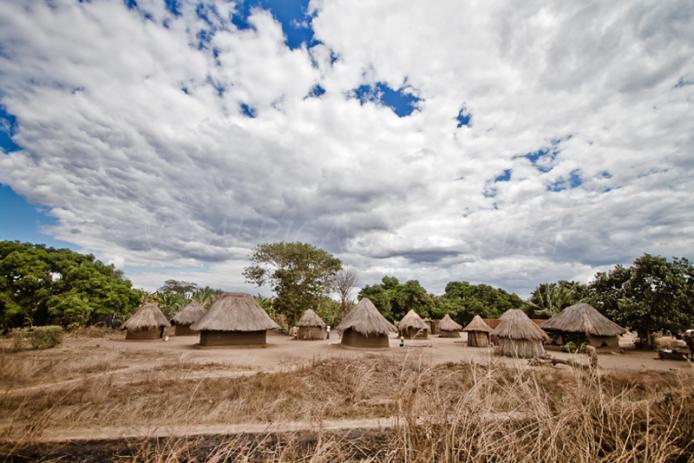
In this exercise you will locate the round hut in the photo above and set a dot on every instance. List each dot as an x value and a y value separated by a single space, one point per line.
582 323
449 328
413 327
186 317
311 327
235 319
477 332
148 322
365 327
518 336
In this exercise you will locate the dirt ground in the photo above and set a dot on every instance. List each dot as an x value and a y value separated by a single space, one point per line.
82 358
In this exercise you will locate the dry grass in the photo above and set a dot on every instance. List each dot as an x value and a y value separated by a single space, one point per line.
451 413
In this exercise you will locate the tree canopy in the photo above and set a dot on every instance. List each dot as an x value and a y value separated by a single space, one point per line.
653 294
42 285
549 299
394 299
299 274
174 295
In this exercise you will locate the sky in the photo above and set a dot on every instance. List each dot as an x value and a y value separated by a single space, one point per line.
499 142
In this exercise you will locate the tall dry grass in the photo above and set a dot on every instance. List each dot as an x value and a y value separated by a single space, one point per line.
449 413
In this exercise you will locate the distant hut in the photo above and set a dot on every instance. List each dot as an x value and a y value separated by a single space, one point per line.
449 328
148 322
235 319
477 332
311 327
186 317
518 336
413 327
365 327
583 323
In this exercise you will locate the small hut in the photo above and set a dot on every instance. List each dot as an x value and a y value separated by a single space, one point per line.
449 328
582 323
477 332
148 322
365 327
311 327
413 327
235 319
186 317
518 336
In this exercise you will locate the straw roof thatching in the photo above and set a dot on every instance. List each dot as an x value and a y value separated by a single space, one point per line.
311 318
235 312
583 318
477 324
413 320
448 324
364 318
515 324
147 316
189 314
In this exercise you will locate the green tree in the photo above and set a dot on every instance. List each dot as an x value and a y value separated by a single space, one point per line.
651 295
394 299
41 285
551 298
484 300
300 274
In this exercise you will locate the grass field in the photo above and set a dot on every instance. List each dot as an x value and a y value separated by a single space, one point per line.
440 411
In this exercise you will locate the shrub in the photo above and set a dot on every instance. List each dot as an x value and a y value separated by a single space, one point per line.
574 348
38 337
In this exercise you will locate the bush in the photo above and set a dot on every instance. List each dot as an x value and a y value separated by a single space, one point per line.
38 337
574 348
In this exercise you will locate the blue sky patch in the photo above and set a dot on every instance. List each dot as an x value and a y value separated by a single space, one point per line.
316 91
505 177
8 127
401 101
291 14
248 111
574 181
23 222
464 118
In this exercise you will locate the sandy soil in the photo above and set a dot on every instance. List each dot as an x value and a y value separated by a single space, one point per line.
134 359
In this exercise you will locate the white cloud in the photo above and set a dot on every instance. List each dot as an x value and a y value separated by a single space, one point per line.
126 138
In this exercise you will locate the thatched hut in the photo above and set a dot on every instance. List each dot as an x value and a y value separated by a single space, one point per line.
365 327
311 327
186 317
518 336
148 322
449 328
477 332
583 323
413 327
235 319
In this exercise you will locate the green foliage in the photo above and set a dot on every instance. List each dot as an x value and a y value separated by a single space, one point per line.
300 274
551 298
394 299
41 285
653 294
574 348
464 300
38 337
174 295
329 310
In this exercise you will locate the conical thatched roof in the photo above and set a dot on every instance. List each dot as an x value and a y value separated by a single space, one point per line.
147 316
514 324
235 312
448 324
583 318
365 318
311 318
189 314
477 324
413 320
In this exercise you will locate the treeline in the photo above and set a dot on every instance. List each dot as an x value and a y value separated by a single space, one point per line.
40 285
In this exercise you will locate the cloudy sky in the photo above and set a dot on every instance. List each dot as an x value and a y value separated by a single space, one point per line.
502 142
